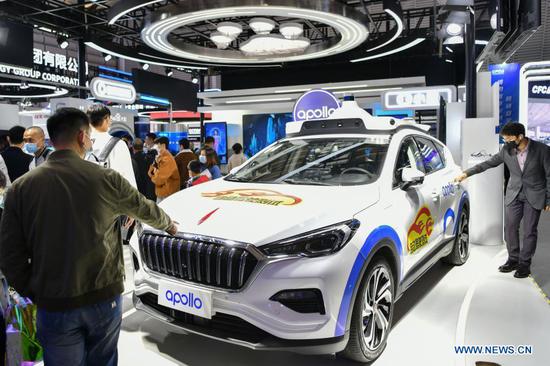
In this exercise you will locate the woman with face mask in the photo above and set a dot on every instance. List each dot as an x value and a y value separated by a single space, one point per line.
209 162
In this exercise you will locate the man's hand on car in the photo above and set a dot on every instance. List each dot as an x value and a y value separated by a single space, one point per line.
173 229
460 178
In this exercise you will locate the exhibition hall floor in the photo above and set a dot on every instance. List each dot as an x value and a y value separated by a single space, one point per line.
469 305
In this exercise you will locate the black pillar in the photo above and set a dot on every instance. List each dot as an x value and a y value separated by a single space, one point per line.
470 67
81 69
201 103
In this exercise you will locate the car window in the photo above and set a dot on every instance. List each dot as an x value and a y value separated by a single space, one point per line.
320 161
430 155
408 157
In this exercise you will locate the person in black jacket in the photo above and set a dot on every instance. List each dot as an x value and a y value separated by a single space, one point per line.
141 167
16 160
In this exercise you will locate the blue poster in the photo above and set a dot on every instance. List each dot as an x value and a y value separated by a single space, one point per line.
218 130
507 76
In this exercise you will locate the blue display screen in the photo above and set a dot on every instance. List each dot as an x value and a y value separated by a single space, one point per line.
218 130
174 138
261 130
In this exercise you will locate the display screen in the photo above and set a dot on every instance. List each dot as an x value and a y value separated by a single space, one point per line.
16 42
218 130
174 138
261 130
538 110
182 94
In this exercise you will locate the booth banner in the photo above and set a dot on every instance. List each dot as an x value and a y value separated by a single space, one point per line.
538 110
315 104
507 76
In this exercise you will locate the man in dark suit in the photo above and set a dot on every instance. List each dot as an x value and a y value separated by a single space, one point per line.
527 193
16 160
141 167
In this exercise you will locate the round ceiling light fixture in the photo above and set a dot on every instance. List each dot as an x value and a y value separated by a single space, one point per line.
454 40
291 30
348 25
262 25
230 29
273 44
54 91
453 29
222 41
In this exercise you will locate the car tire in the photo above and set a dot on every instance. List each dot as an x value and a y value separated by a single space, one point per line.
461 246
371 315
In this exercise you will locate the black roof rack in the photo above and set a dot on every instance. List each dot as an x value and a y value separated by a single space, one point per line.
346 125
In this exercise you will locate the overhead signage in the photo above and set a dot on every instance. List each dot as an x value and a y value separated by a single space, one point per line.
49 67
113 91
507 77
419 98
539 89
315 104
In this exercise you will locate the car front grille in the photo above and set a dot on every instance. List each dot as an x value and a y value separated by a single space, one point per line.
205 262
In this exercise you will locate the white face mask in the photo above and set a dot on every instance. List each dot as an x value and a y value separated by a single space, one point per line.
202 159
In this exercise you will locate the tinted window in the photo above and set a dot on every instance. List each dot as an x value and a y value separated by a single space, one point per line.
430 155
408 157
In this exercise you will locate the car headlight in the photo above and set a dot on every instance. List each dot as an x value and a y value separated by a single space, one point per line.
316 243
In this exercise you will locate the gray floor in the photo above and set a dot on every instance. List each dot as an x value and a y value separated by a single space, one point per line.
541 262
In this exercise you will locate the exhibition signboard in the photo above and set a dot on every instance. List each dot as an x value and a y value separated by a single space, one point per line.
419 98
538 109
315 104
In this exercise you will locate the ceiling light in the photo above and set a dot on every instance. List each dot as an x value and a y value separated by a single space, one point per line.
390 52
449 49
291 30
107 57
169 72
145 66
273 44
230 29
482 42
453 29
396 13
493 21
24 85
195 80
454 40
222 41
261 25
449 61
55 91
62 42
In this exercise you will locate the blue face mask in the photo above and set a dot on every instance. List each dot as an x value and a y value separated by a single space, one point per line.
30 147
202 159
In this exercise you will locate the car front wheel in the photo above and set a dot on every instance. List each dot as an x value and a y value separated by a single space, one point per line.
372 314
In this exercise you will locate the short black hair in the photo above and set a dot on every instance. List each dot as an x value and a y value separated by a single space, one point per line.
237 148
163 140
66 123
208 139
152 136
16 134
138 144
185 143
97 114
195 166
512 129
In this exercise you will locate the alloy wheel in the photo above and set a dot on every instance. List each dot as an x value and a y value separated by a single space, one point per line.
463 237
377 304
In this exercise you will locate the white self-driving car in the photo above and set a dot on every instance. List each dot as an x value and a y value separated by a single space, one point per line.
308 245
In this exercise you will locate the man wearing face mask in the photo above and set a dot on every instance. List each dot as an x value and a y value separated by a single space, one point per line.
164 171
527 193
35 144
70 262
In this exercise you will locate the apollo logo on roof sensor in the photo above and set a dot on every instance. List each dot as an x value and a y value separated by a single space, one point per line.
315 104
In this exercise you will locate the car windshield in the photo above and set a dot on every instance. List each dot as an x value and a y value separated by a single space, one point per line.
316 161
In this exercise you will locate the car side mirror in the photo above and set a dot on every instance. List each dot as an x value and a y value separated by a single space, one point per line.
411 177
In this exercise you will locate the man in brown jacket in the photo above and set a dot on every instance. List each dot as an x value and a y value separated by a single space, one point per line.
184 157
164 171
60 245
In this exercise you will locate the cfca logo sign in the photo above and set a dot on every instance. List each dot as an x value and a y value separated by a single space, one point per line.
315 104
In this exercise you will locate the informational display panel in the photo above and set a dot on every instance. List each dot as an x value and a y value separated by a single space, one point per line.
16 44
538 111
507 76
218 130
261 130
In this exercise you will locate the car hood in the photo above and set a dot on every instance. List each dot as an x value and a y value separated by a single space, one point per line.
262 213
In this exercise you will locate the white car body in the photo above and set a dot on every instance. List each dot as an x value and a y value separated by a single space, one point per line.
253 215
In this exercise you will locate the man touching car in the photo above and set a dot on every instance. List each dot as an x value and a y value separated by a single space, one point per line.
527 194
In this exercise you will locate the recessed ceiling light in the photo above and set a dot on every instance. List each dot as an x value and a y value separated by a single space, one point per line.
454 40
261 25
62 42
107 57
453 29
145 66
222 41
230 29
291 30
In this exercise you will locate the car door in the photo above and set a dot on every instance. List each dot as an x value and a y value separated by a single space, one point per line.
410 211
435 183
